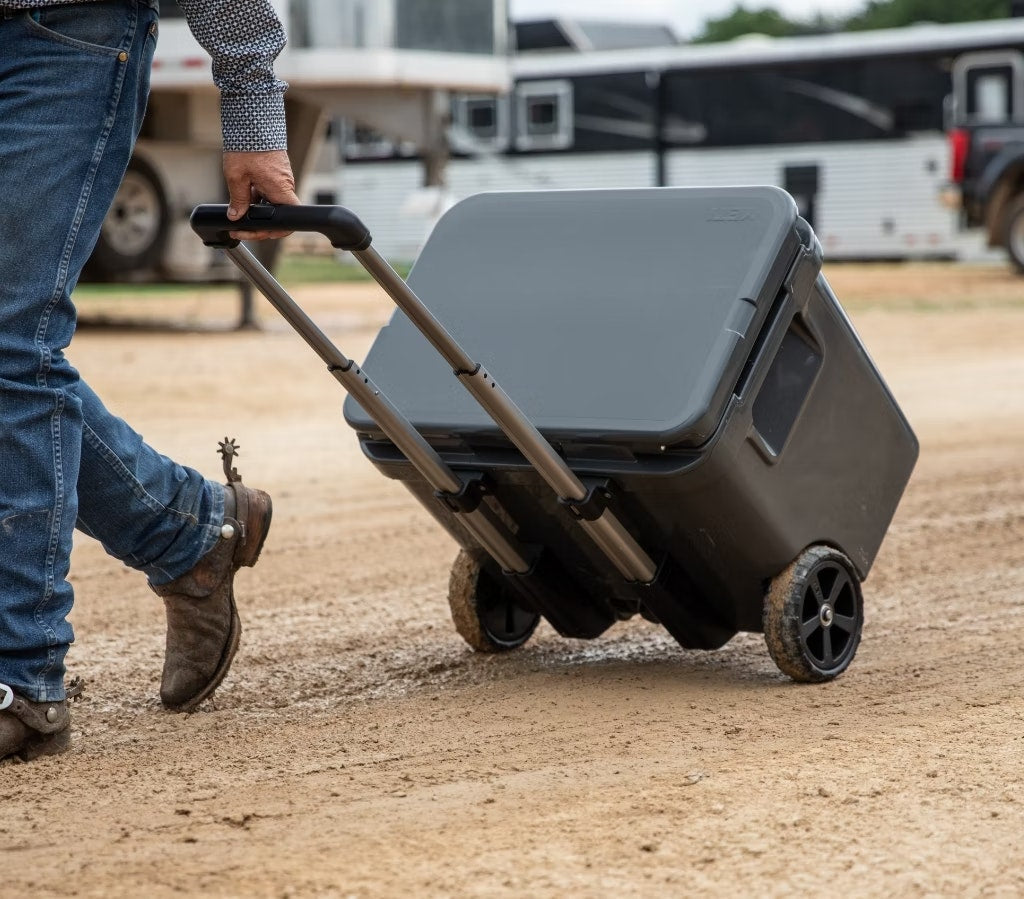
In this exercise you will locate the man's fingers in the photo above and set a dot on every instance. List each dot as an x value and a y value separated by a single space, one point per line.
238 200
267 174
239 191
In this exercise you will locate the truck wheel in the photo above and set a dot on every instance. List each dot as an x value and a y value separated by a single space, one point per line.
485 611
1013 233
813 615
134 232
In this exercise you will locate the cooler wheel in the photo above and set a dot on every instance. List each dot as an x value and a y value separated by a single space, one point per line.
813 615
484 609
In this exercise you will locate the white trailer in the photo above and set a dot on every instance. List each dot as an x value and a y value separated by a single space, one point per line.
389 64
853 125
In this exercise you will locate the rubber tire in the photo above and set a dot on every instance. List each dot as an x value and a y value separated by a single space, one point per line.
786 614
141 195
474 591
1013 232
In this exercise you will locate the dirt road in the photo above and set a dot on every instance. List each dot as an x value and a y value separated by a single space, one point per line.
358 748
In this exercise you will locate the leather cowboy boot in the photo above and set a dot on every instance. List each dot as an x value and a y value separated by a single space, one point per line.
203 627
30 730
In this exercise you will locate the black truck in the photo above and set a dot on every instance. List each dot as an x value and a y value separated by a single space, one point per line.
988 184
986 136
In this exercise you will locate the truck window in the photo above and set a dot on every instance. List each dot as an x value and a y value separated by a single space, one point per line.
989 95
988 87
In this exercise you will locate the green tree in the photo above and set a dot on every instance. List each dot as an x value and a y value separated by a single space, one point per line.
875 14
898 13
749 21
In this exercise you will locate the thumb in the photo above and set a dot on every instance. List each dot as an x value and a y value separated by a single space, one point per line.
239 195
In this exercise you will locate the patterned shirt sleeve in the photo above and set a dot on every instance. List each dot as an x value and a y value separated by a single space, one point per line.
244 38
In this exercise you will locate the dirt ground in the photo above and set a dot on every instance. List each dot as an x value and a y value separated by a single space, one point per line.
358 748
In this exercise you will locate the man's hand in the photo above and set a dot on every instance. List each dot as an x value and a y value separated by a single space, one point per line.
253 175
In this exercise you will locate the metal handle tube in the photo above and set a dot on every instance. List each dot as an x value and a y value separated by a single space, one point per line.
524 434
481 522
497 403
494 537
412 305
490 532
606 531
293 314
618 544
396 426
609 534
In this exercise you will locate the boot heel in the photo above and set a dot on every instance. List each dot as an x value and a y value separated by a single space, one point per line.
46 744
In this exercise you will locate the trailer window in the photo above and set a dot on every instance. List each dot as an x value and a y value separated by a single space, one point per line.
544 115
842 100
614 111
482 120
332 23
462 26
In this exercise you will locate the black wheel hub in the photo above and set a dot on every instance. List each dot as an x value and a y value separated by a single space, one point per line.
830 616
505 622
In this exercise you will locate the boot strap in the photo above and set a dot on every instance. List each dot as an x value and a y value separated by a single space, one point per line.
241 515
42 717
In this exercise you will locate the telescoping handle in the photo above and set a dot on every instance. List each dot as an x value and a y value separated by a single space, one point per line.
340 226
599 522
492 534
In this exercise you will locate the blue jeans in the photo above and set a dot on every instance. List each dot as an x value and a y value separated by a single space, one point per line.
74 81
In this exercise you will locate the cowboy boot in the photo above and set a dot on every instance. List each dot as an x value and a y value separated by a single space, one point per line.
203 627
30 730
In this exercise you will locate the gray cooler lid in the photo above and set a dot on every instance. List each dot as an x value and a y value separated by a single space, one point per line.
619 316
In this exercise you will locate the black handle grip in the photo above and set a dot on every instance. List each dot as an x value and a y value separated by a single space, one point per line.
340 226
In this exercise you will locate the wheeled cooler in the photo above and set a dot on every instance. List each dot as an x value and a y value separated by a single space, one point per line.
658 407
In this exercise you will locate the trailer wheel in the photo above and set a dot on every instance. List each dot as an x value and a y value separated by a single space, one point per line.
484 610
134 232
1013 231
813 615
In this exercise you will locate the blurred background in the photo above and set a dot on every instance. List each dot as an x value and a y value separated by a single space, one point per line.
895 124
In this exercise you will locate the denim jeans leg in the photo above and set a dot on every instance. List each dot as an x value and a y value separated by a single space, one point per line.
151 513
74 84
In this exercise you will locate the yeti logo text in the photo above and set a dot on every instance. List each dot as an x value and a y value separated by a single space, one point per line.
731 214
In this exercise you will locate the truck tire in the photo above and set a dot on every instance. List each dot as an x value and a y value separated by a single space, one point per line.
134 232
1013 231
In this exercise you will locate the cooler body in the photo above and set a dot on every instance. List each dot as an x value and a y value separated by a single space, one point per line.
679 347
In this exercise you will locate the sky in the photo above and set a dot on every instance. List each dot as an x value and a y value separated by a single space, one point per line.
685 16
